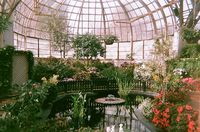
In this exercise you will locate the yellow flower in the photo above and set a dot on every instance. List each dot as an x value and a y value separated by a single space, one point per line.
44 80
156 78
54 79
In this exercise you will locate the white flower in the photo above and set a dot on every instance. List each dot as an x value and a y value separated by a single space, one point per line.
36 100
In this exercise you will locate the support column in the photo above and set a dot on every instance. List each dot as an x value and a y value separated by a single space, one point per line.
7 38
117 50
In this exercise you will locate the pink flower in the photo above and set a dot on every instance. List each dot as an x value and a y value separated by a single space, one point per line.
188 80
189 117
167 110
180 109
188 107
155 120
156 111
166 115
191 125
178 118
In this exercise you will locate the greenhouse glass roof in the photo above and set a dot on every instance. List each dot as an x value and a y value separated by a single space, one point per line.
130 20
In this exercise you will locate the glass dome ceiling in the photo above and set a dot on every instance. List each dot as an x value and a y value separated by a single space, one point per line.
130 20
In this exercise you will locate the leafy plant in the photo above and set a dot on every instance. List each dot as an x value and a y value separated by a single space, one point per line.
124 78
4 23
110 39
53 66
6 69
28 110
191 35
191 65
78 110
190 51
87 46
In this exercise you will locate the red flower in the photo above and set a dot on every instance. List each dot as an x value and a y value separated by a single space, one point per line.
188 107
191 125
155 120
180 109
178 118
166 115
156 111
167 110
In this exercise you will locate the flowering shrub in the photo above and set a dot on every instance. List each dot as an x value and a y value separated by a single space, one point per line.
183 118
173 117
188 80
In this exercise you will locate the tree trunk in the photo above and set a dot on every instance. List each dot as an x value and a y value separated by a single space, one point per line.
1 40
192 20
180 45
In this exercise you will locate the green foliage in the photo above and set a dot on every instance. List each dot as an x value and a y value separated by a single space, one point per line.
124 78
190 51
4 23
28 104
191 35
9 124
6 59
101 65
191 65
78 110
29 110
87 46
6 68
109 72
110 39
46 68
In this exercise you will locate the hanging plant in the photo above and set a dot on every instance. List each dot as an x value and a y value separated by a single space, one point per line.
110 39
4 23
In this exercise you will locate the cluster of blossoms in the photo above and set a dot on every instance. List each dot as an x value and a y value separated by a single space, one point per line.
180 72
188 80
142 72
172 116
161 114
186 114
92 70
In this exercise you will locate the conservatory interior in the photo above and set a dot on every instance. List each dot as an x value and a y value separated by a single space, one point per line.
99 65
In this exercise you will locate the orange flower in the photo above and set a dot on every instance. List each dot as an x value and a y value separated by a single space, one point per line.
188 107
180 109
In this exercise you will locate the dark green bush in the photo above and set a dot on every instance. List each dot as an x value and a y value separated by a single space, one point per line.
190 51
52 66
109 73
191 35
101 65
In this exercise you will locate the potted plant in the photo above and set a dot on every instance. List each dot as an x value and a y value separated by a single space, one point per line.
110 39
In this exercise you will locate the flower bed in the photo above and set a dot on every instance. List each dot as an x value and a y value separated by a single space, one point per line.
175 113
